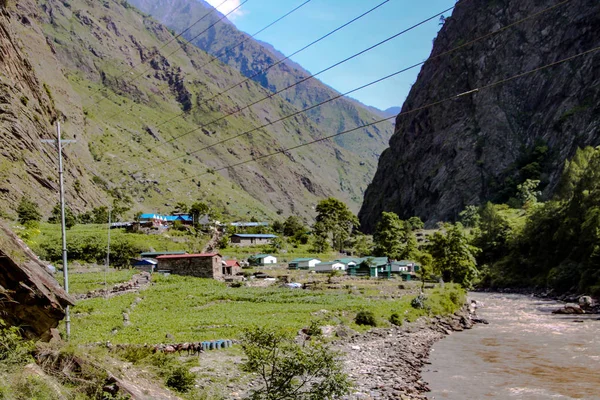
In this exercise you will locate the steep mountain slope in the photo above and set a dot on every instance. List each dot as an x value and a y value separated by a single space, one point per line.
73 60
481 146
255 56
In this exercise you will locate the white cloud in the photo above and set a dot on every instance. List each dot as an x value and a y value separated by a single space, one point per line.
227 7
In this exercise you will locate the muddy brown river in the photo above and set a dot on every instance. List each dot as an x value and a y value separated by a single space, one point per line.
524 353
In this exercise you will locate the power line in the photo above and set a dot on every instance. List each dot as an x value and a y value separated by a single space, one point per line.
176 50
304 79
262 71
216 56
445 53
162 47
403 113
228 49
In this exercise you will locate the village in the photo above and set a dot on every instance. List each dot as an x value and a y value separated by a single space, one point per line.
219 266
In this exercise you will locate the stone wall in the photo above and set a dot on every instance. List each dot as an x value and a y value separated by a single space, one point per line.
201 267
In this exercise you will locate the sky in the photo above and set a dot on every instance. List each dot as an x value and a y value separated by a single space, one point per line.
318 17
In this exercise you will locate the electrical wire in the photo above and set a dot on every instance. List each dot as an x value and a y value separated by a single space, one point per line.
162 47
440 55
403 113
262 71
179 48
228 49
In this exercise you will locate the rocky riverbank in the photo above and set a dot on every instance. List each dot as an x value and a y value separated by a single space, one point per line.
387 363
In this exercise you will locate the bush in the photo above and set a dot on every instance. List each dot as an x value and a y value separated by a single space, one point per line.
181 379
28 211
290 370
418 302
13 348
365 317
395 319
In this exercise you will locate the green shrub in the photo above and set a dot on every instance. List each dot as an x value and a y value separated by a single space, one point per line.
13 348
365 317
134 354
418 302
181 379
395 319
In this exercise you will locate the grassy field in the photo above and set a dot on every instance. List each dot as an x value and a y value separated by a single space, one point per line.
194 309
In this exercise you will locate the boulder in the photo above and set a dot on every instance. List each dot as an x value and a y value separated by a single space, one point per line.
30 297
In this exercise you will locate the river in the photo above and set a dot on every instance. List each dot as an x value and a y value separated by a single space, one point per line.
524 353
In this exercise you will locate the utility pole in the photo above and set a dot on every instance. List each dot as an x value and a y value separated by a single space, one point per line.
59 142
107 263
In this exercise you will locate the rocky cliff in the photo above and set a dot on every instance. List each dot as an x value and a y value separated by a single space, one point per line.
481 146
30 297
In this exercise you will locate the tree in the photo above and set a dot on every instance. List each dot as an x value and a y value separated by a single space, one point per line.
293 371
527 192
453 256
198 210
394 238
416 223
28 211
100 215
335 220
388 235
292 226
494 233
425 261
70 219
469 217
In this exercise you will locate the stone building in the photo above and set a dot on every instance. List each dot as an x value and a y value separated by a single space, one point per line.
251 239
199 265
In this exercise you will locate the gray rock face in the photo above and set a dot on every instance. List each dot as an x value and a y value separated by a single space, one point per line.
30 297
467 150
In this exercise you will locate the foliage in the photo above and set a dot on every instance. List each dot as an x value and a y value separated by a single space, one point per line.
559 245
469 217
198 210
28 211
527 192
293 227
453 255
415 223
365 317
181 379
493 235
335 220
394 238
13 348
418 302
396 319
70 219
289 370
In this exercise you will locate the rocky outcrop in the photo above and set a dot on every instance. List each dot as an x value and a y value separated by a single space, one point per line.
30 297
480 146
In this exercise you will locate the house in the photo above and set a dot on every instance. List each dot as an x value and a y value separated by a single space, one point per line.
251 239
185 219
265 259
231 267
349 261
148 264
303 263
154 219
207 265
330 266
377 267
405 269
248 224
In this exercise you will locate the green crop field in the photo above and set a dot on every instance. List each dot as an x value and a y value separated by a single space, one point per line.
194 309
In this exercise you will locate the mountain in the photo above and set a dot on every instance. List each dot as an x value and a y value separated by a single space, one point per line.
482 145
392 111
79 62
254 56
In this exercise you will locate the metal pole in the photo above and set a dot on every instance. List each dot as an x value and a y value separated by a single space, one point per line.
63 227
107 249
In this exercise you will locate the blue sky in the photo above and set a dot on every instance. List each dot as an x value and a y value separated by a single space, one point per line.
321 16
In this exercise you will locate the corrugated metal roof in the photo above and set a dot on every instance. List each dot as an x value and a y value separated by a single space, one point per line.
295 260
255 235
173 256
263 255
160 253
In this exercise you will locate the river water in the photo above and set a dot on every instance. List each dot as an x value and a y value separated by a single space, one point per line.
524 353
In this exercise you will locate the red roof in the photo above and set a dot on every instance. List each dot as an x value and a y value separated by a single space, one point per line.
232 263
174 256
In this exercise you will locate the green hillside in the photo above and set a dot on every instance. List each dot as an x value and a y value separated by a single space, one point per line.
80 56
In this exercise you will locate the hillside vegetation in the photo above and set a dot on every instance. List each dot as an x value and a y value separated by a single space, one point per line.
74 63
